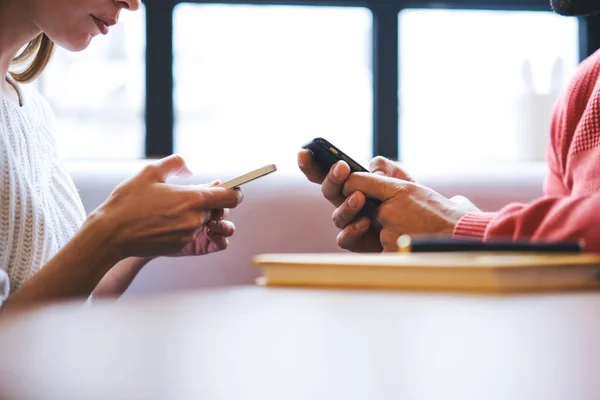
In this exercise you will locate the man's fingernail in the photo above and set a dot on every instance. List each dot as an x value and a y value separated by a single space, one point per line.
337 171
352 201
362 224
379 172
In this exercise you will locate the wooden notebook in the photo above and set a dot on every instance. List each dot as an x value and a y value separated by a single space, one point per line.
469 271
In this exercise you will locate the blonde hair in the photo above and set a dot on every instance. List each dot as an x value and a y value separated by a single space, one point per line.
39 51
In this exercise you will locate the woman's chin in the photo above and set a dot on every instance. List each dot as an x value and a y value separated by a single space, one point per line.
78 44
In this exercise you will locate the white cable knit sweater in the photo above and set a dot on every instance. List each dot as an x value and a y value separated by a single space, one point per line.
40 209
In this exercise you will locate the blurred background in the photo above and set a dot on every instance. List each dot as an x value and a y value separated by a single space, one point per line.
260 80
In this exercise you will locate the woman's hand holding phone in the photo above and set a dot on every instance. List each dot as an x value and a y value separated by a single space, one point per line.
146 217
213 235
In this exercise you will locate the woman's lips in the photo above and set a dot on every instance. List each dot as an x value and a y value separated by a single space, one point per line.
102 26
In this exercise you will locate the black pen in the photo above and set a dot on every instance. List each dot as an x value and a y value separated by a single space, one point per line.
407 244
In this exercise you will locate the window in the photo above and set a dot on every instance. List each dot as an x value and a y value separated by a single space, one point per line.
254 83
98 94
481 85
259 81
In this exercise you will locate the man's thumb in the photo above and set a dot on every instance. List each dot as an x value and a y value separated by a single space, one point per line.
172 165
385 167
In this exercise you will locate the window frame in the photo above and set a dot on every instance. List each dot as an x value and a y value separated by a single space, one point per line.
159 105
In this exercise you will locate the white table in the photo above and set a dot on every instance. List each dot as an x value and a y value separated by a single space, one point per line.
261 343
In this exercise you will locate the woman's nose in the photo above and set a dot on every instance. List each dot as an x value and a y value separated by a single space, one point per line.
131 5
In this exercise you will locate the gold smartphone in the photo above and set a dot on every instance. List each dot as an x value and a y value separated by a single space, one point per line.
250 176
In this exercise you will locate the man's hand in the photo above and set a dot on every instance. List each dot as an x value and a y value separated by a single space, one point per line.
406 207
366 236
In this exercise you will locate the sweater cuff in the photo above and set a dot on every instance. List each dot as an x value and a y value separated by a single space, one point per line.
473 225
4 286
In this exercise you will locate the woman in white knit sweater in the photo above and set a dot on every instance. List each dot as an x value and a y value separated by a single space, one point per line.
49 250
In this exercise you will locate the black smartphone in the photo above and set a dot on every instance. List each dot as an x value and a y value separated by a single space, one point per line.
326 155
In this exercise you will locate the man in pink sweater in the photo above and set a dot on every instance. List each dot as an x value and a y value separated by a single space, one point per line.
568 210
